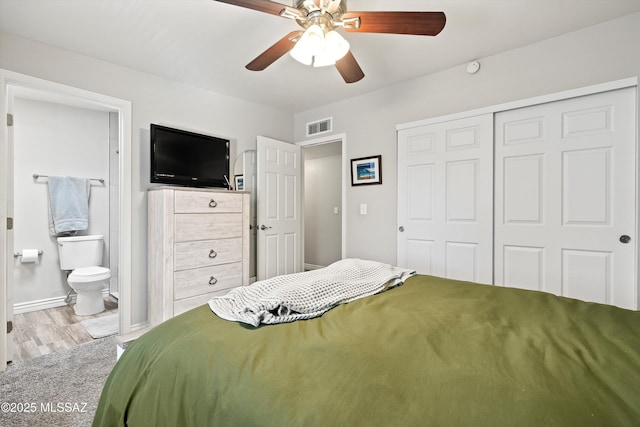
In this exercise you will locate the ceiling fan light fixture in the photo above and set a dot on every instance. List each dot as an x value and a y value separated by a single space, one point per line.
335 45
310 44
318 48
323 59
301 56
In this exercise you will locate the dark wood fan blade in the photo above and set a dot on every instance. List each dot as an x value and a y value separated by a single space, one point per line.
416 23
275 52
349 69
265 6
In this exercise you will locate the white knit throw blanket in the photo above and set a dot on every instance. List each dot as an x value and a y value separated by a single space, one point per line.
306 295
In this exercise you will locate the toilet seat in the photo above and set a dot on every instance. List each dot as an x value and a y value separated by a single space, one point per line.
89 274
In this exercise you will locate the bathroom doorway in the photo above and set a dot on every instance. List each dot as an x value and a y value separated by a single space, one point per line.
76 140
58 130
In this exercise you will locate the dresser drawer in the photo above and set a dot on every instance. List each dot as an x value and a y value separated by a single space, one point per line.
186 304
192 227
206 253
207 202
189 283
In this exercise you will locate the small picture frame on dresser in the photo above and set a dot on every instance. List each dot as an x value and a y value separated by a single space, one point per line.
239 182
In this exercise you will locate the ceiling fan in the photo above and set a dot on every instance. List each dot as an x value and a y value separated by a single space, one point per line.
318 44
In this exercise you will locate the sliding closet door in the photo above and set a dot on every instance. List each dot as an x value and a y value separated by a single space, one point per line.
566 198
445 199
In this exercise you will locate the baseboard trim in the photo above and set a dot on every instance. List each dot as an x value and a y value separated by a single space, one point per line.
43 304
308 267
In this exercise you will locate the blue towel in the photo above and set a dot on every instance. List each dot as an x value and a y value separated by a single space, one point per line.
68 205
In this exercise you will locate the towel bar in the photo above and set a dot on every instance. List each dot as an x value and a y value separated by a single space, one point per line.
37 175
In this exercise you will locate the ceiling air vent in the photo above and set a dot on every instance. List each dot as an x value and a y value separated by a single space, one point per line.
321 126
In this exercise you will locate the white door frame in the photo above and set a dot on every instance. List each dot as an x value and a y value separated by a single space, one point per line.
11 79
342 139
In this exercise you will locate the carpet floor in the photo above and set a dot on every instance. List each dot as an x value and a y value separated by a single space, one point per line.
60 389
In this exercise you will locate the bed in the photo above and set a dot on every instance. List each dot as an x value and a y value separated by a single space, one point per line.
430 352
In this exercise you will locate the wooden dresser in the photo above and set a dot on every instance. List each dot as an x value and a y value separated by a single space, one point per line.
198 247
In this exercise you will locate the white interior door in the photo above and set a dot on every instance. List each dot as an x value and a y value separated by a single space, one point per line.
566 197
445 193
279 206
10 249
6 265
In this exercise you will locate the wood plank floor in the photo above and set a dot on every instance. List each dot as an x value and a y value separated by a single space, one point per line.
51 330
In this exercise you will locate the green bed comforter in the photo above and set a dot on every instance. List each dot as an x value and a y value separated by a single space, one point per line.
432 352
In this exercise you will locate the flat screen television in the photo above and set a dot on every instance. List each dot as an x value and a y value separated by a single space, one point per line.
179 157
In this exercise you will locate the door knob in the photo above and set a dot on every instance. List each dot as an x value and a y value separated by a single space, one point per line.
625 239
264 227
401 229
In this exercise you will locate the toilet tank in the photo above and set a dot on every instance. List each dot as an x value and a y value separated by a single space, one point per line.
80 251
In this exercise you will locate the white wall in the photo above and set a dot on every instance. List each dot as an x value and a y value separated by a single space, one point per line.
153 100
322 226
52 139
598 54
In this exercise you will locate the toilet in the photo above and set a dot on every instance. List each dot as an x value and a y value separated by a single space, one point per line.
82 256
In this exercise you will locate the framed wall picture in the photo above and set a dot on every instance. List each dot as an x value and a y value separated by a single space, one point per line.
239 182
366 170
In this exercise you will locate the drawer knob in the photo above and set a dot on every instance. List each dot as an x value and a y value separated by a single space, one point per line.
212 281
213 203
213 254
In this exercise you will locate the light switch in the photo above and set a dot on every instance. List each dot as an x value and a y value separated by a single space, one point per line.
363 208
335 210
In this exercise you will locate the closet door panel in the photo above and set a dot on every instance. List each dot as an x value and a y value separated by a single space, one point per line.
420 255
461 260
587 178
565 184
523 266
461 191
445 186
420 203
587 275
523 190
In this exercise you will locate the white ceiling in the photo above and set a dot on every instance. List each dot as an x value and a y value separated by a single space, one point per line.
206 44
